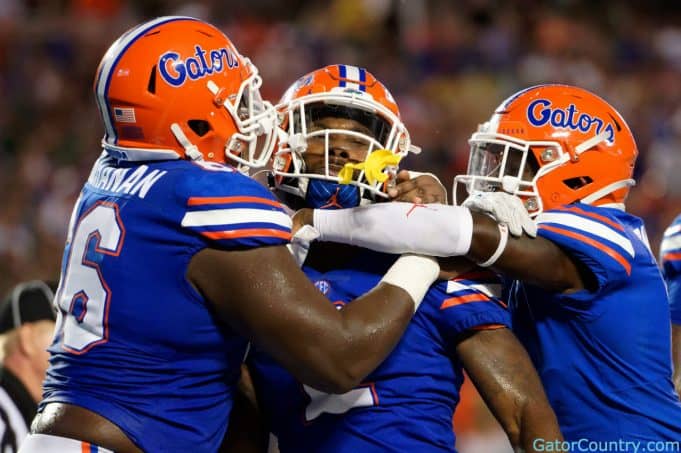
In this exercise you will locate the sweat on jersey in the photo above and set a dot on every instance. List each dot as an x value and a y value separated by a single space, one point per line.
670 259
135 342
603 354
407 403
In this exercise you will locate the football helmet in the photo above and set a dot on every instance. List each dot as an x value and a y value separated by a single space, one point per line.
553 145
337 102
176 87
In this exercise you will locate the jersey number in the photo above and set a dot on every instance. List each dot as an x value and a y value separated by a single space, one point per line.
84 296
330 403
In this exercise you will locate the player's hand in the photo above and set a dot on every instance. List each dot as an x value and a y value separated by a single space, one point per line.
424 188
301 218
504 208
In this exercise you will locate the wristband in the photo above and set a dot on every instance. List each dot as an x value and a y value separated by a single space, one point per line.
414 274
503 240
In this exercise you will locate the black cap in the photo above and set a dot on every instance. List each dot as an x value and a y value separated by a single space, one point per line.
27 302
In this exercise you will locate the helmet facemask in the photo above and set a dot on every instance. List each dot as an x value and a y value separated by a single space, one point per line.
500 162
322 137
256 119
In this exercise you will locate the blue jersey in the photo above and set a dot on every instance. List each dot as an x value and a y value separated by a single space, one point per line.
670 259
603 355
408 402
135 342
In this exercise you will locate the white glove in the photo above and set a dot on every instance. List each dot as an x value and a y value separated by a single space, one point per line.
300 243
504 208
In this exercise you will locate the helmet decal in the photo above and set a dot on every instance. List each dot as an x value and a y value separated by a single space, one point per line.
352 77
175 70
540 113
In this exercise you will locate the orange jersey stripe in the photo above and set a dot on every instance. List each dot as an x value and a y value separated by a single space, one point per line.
85 447
234 234
198 201
672 256
602 247
459 300
598 217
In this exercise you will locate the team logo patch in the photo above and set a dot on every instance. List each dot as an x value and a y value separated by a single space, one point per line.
540 112
323 286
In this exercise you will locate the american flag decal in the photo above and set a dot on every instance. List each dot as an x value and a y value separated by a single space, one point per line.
124 115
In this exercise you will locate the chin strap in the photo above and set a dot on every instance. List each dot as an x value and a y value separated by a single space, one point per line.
597 195
590 143
190 149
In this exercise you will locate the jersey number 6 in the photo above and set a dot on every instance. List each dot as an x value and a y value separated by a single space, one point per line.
83 295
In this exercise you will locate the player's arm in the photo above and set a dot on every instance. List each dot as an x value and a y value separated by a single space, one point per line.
505 378
444 231
525 258
262 294
246 432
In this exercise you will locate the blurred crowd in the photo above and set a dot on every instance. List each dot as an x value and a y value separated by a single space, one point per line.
447 63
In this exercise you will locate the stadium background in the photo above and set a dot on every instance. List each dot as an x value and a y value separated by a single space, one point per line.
447 63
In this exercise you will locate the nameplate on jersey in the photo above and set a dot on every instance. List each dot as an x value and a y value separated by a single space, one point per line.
129 181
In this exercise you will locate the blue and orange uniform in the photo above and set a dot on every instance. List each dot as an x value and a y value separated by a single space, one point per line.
603 352
135 342
407 403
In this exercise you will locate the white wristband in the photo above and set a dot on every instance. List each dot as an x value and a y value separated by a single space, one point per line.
427 229
503 240
414 274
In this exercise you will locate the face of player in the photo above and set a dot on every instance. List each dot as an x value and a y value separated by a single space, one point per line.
343 148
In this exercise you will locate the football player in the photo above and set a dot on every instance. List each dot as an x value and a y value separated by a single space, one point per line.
175 260
670 259
588 301
343 126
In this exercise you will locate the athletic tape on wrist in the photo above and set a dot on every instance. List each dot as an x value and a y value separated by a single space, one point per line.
414 274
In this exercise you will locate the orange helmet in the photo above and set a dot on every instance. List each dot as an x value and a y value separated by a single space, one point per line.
175 87
338 91
553 145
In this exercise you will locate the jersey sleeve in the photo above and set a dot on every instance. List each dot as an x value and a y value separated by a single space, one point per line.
229 210
670 260
468 302
596 240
